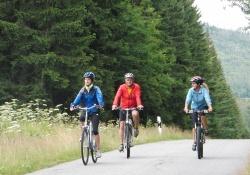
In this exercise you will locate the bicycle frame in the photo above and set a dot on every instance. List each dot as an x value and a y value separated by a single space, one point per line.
199 113
128 120
88 126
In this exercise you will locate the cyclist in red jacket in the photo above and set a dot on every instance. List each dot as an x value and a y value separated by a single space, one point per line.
128 96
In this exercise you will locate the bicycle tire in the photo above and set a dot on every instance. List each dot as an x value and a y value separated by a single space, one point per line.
85 147
199 143
202 138
93 150
127 136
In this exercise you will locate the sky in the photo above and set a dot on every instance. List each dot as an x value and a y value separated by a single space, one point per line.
220 14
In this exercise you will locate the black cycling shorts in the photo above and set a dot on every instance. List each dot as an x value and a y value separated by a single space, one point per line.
194 117
122 114
94 119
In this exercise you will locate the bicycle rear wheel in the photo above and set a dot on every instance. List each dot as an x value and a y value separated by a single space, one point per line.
199 143
85 147
127 137
93 150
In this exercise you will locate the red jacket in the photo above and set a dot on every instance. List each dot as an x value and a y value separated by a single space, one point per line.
127 99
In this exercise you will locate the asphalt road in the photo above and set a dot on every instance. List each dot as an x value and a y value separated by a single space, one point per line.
221 157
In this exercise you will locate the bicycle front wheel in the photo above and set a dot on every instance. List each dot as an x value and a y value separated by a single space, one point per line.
85 147
202 141
127 136
199 143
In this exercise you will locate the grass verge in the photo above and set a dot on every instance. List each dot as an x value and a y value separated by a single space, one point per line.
247 170
39 146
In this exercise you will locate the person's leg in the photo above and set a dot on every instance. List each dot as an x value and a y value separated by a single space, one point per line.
97 141
136 120
204 123
194 120
95 122
121 129
193 133
82 118
194 139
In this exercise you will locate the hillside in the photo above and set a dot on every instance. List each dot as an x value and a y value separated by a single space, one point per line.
233 51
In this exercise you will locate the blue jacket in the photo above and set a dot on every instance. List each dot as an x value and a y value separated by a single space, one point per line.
199 99
88 99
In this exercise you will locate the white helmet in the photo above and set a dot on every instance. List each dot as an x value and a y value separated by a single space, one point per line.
129 75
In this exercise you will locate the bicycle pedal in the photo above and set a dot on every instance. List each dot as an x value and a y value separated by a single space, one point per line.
121 150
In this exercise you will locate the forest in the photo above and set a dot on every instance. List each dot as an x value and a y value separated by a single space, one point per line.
46 46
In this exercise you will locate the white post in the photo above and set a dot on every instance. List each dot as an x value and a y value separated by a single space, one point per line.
159 124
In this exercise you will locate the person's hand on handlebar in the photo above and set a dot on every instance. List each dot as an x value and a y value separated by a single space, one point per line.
210 109
140 107
72 108
114 107
99 107
185 109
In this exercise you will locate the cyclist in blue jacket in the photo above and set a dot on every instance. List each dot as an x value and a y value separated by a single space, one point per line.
200 99
88 96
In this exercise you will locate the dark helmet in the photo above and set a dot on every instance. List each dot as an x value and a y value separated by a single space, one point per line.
197 80
90 75
129 75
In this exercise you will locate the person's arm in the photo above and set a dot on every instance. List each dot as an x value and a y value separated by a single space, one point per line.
99 97
77 100
208 100
188 100
138 96
117 98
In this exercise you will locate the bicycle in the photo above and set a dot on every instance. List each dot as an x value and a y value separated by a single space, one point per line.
128 131
87 140
199 131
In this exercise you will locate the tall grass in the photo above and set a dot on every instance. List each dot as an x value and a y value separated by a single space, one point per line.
244 105
21 153
34 137
247 170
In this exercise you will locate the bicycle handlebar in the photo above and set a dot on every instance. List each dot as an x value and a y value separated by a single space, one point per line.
198 111
127 109
87 108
